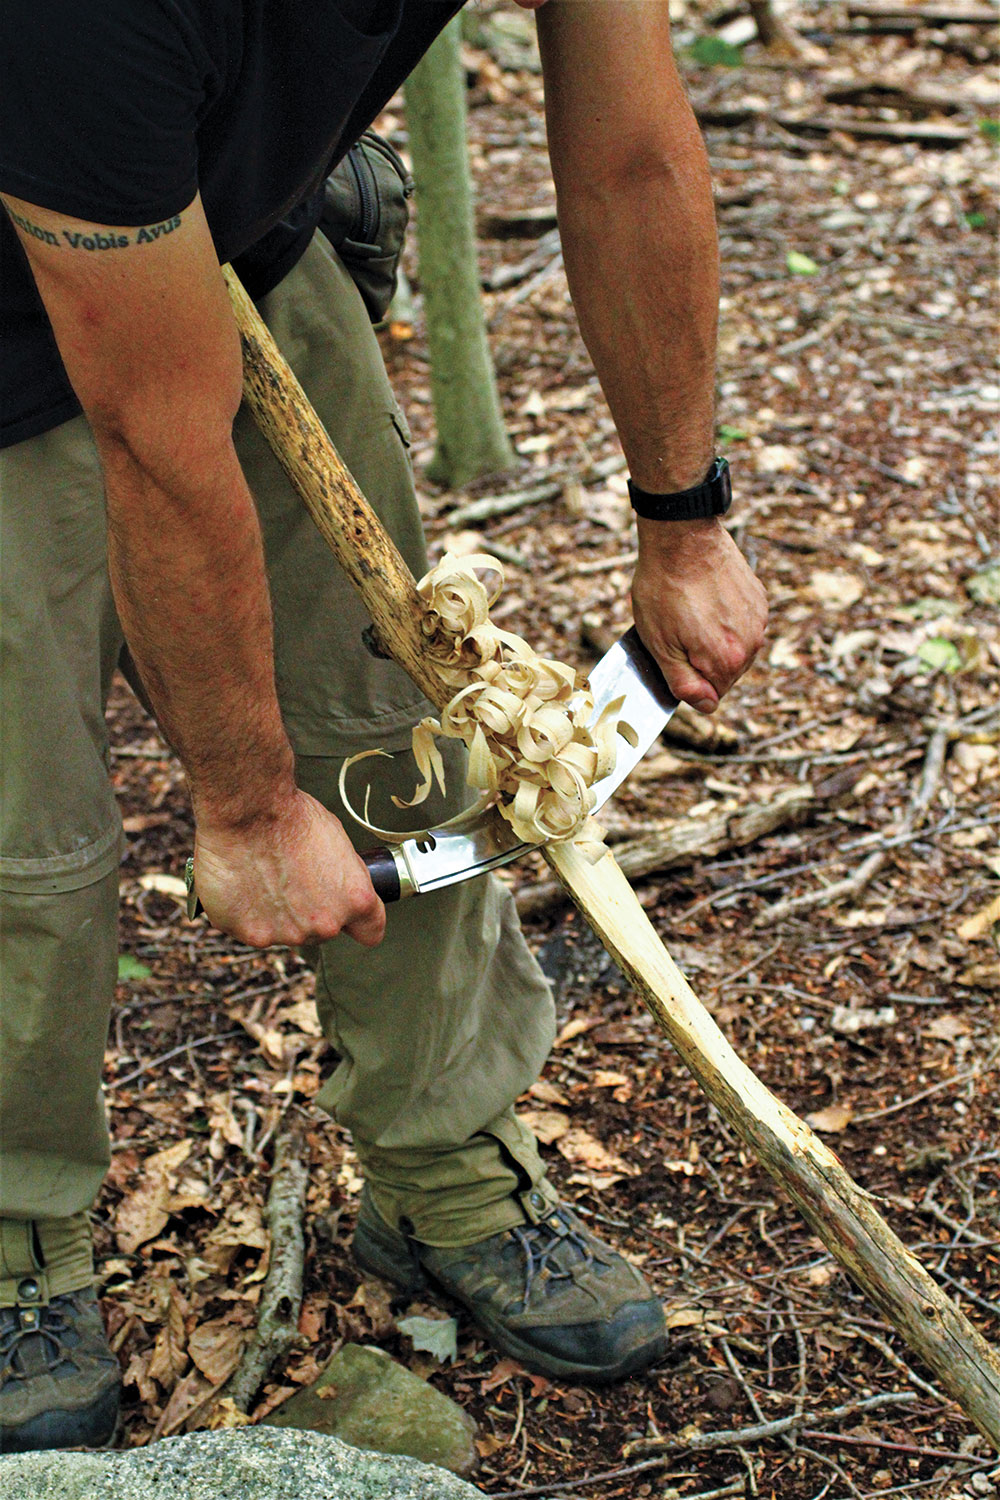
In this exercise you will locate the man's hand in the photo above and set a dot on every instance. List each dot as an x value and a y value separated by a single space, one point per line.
698 607
293 878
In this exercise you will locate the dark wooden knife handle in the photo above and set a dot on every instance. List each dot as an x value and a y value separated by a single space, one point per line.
384 873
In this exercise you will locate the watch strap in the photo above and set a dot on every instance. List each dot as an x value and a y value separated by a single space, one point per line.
712 497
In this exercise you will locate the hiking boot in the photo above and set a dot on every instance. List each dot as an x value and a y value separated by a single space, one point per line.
59 1381
550 1294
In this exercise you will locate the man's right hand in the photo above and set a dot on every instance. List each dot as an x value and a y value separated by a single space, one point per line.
291 878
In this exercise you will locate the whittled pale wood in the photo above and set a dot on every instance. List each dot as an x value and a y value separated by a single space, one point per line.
839 1211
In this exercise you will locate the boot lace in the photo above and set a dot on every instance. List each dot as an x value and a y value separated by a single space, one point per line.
539 1244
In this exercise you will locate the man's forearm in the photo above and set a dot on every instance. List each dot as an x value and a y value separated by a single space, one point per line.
188 575
645 287
638 229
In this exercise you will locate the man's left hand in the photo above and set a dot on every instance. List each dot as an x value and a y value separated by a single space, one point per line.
698 607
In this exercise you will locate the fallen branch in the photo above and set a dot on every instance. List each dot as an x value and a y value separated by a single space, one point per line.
281 1299
924 15
742 1437
841 1214
686 839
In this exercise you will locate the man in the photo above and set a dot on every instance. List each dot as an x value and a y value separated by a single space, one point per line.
142 144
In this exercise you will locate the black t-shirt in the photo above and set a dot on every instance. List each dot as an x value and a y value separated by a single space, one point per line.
120 112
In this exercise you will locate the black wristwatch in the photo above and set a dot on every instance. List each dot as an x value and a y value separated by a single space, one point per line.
712 497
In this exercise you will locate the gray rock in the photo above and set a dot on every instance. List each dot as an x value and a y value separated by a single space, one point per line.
367 1399
242 1463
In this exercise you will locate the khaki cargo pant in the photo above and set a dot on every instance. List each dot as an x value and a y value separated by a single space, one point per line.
437 1031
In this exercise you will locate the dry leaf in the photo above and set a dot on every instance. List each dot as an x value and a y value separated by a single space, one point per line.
947 1028
490 1444
979 924
141 1215
375 1300
166 885
836 589
548 1125
777 458
684 1317
503 1370
169 1359
583 1149
783 653
576 1027
215 1348
606 1078
547 1092
302 1016
187 1398
982 976
596 1182
137 1374
226 1413
833 1118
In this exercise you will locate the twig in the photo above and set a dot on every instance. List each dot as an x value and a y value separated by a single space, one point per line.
851 885
564 1486
935 1088
281 1298
889 1353
154 1062
871 1442
704 1442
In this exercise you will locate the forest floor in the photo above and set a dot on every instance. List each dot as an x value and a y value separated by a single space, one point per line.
858 406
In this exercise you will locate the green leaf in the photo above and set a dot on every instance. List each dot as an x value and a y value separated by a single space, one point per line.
435 1336
984 586
799 264
976 220
712 51
931 608
728 434
940 654
131 968
990 129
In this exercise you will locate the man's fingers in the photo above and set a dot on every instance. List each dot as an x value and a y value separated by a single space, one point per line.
368 930
689 686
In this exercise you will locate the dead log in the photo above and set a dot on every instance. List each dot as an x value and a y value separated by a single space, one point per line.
923 15
687 839
838 1210
921 132
871 93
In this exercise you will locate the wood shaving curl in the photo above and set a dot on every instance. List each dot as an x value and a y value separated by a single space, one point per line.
525 719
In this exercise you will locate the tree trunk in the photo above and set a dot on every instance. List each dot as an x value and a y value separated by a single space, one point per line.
471 439
840 1212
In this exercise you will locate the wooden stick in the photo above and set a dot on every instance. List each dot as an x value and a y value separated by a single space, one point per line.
281 1298
839 1211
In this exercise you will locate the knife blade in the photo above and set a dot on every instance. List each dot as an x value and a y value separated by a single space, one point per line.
443 857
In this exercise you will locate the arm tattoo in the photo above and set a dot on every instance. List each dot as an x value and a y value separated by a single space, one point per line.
112 240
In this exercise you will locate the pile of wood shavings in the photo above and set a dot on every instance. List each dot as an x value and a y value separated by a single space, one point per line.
525 719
